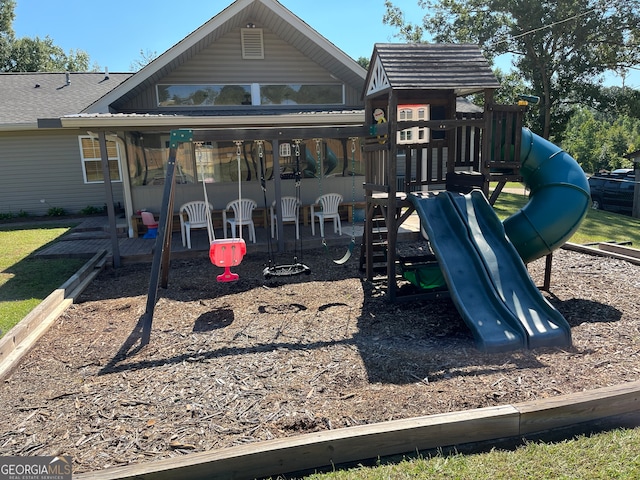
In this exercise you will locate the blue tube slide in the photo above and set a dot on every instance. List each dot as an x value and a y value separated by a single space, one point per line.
558 201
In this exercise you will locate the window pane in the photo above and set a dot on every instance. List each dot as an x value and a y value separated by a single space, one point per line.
300 94
114 171
91 148
94 171
203 95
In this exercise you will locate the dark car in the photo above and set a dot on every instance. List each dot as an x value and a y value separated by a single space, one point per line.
613 191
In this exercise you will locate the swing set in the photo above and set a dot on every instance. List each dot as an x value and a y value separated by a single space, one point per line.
225 253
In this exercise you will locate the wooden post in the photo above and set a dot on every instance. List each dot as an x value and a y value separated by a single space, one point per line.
390 214
106 174
487 135
636 191
162 249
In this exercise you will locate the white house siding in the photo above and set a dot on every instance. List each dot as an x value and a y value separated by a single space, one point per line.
46 166
222 63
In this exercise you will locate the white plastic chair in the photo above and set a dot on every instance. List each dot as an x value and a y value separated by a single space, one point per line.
243 211
197 217
329 203
290 207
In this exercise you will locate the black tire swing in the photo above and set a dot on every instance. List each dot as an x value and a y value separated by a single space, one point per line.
297 267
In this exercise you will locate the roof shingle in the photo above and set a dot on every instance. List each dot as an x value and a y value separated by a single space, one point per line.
32 95
435 66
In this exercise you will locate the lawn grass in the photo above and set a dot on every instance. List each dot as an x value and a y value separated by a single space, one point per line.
607 455
25 280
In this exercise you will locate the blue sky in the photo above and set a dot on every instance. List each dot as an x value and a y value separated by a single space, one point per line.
114 32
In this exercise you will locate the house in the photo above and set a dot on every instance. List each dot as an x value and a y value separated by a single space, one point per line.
275 98
253 67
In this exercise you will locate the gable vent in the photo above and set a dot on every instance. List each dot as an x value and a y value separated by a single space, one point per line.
252 44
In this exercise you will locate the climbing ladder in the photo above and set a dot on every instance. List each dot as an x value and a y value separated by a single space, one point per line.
378 234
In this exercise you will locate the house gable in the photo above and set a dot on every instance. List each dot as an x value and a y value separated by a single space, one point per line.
279 25
223 63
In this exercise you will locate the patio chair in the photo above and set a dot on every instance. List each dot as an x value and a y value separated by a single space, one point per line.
329 204
197 217
242 215
290 207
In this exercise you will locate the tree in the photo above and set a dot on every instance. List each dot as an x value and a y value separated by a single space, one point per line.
7 16
144 59
33 54
560 48
363 62
42 55
599 142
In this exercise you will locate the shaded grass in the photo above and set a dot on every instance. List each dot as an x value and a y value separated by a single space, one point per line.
25 280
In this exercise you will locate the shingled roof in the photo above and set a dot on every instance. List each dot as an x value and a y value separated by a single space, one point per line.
429 66
29 96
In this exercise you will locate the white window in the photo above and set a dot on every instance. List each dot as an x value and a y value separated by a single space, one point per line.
92 160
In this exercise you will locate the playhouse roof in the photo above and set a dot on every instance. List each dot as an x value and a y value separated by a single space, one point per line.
429 66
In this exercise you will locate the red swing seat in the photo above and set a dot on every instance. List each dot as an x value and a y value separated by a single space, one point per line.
227 253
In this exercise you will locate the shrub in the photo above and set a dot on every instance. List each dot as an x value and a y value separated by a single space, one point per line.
56 212
91 210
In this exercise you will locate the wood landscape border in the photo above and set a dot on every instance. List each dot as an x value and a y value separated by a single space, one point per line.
17 341
348 445
329 448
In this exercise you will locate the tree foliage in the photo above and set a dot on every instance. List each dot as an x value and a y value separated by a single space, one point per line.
560 48
34 54
599 142
42 55
146 57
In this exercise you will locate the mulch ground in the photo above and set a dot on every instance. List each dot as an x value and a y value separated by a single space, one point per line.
242 362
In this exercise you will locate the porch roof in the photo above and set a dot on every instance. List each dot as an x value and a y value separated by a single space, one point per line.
200 119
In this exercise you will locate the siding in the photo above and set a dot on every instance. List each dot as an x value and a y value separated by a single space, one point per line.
222 63
46 165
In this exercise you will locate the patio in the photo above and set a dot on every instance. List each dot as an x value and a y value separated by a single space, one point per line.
91 236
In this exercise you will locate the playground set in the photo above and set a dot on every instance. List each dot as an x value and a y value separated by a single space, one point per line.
416 124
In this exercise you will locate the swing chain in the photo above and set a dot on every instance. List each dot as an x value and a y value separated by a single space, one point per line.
353 187
296 143
318 156
263 181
